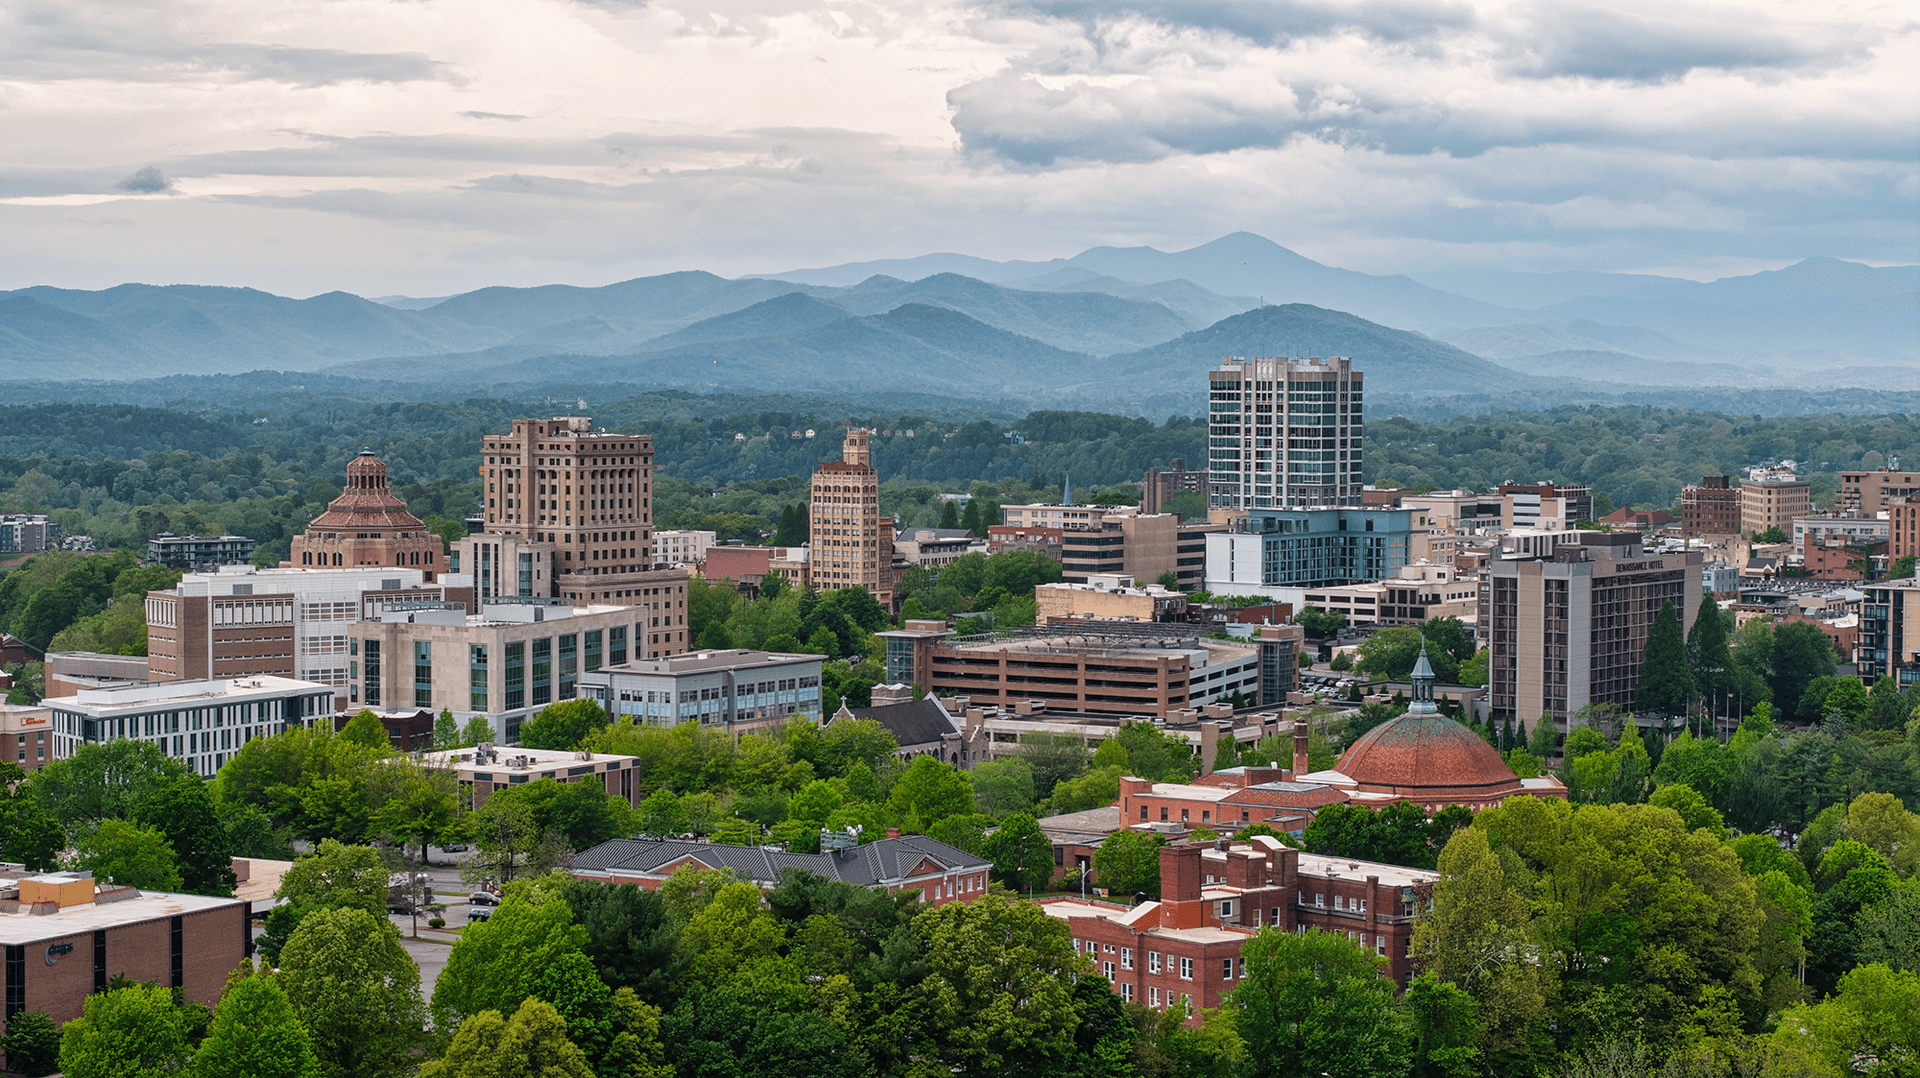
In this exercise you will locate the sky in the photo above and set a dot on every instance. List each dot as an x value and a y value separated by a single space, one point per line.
424 147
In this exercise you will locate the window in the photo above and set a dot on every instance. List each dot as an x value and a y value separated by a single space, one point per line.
1126 991
1339 902
1186 969
1226 969
1320 900
1153 961
516 684
1126 958
1106 969
1153 997
422 673
1226 908
1143 812
477 677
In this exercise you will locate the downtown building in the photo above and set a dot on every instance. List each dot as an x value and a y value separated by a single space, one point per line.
1284 434
849 544
1569 629
568 514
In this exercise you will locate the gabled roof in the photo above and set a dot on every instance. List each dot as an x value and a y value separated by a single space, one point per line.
921 722
878 863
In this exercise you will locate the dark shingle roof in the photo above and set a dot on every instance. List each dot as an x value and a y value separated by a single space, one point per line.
921 722
882 861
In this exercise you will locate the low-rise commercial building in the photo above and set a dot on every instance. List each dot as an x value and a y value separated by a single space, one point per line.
681 547
200 723
1417 594
935 548
734 688
67 672
1160 484
199 553
1110 596
68 935
483 769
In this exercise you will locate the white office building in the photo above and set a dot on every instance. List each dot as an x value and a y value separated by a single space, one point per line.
201 723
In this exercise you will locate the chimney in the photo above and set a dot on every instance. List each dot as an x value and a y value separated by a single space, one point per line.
1180 873
1300 766
893 832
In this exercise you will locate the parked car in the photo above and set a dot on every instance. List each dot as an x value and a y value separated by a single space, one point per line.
454 847
484 898
476 916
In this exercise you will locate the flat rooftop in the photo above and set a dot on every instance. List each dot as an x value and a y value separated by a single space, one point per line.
22 927
539 763
138 698
702 662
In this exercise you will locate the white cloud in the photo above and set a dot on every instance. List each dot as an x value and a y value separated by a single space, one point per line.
305 145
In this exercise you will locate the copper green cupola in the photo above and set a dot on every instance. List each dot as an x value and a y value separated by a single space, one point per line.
1422 685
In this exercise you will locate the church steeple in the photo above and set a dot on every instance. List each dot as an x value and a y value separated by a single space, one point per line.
1422 685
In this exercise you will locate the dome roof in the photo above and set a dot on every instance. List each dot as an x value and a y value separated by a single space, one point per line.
367 502
1425 751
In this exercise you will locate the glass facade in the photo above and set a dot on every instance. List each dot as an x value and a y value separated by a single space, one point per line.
569 665
516 680
372 693
422 673
543 672
477 678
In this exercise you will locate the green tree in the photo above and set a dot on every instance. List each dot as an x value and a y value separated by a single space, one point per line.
108 781
1446 1025
132 1032
446 731
497 964
183 811
423 805
506 838
337 876
1004 786
565 725
32 1044
477 731
532 1044
357 990
366 729
1321 624
1128 862
1666 679
127 853
1866 1028
1474 670
1707 653
28 833
997 989
1055 758
1021 853
930 791
1694 810
1314 1003
1801 653
255 1034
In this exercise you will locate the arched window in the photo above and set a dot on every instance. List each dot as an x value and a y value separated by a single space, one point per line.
336 559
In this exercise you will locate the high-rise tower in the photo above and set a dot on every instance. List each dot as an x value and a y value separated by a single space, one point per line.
572 507
1284 433
848 544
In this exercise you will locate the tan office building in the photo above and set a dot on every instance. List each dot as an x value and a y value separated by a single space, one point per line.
1771 498
583 498
1867 493
1711 508
848 543
1570 629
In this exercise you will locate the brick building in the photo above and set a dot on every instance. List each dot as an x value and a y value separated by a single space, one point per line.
1771 498
367 526
1163 483
67 935
1182 951
1710 508
24 735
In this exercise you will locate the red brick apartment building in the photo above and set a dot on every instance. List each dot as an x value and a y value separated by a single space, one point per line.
1184 949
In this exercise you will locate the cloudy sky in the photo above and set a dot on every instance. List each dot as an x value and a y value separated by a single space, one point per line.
428 146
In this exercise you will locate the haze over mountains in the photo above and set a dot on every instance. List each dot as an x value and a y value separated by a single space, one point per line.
1108 327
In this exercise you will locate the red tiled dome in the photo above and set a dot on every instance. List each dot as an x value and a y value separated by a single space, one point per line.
1425 751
